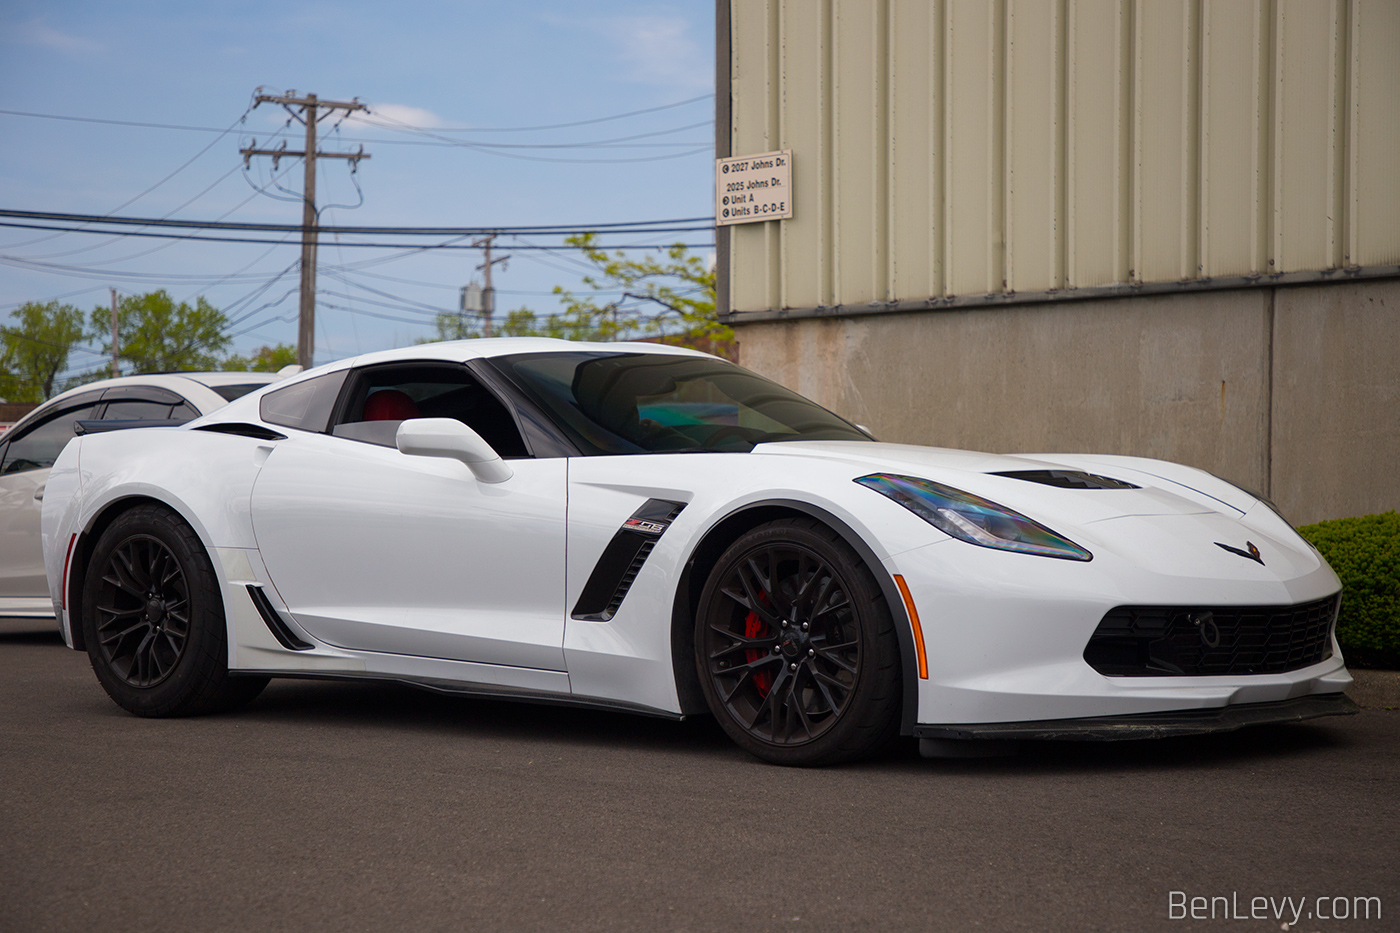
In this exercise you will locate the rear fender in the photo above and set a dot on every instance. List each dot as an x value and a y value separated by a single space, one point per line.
205 478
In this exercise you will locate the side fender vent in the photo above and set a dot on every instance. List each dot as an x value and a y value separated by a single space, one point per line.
284 635
622 560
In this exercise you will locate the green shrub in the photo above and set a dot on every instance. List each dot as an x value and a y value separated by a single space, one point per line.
1365 552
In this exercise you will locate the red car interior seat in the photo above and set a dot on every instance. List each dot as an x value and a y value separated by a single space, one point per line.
389 405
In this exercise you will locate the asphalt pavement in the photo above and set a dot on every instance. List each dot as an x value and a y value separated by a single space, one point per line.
357 806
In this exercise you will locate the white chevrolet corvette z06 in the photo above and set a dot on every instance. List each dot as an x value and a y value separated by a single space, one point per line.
649 528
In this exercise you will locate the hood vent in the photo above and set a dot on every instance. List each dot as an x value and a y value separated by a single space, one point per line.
1068 479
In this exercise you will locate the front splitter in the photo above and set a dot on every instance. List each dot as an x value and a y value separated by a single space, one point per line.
1151 725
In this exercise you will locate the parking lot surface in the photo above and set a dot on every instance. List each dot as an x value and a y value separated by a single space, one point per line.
358 806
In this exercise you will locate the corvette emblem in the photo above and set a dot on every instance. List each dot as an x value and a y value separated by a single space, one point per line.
644 526
1252 553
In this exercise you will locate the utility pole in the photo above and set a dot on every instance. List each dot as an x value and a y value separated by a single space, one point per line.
116 351
310 106
488 294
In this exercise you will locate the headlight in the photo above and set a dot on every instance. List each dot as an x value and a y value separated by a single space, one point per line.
973 519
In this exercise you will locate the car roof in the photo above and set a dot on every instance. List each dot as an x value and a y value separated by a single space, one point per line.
480 348
197 387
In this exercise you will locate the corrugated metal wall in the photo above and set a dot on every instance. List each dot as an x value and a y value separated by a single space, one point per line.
949 149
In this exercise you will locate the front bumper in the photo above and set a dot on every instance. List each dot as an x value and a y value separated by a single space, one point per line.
1005 636
1151 725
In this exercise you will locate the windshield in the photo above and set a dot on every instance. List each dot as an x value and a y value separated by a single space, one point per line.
622 403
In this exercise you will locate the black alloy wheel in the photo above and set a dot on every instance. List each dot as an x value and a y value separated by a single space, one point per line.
795 647
143 607
153 619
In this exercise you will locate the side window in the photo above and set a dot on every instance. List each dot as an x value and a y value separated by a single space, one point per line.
304 405
133 410
381 398
38 447
184 412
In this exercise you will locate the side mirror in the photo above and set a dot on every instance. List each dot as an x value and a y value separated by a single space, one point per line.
447 437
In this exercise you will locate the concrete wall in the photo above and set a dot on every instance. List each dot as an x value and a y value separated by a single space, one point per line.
1291 391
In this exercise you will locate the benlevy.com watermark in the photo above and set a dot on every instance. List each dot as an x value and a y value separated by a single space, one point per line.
1287 911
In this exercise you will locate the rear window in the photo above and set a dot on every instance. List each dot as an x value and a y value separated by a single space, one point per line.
304 405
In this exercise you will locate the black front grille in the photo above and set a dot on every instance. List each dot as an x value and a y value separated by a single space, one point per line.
1166 641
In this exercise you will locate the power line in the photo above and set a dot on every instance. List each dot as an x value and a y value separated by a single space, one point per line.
104 274
682 224
463 129
402 304
488 148
93 246
177 171
597 143
339 277
561 126
707 147
385 317
81 291
26 263
421 283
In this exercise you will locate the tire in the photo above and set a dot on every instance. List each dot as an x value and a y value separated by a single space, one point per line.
795 647
153 619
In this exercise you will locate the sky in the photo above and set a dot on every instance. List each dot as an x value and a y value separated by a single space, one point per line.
466 100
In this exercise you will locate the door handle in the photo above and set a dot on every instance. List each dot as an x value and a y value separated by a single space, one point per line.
39 494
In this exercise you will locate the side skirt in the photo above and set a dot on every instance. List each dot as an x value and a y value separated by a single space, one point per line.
482 691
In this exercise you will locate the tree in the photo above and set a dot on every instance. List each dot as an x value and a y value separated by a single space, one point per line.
454 327
34 349
264 359
671 299
157 335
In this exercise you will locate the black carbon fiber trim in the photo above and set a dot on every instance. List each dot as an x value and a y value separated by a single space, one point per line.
1151 725
622 560
284 635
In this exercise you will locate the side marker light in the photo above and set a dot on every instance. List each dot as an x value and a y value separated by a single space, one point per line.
914 620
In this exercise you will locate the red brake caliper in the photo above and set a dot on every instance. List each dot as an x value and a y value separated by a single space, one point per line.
754 628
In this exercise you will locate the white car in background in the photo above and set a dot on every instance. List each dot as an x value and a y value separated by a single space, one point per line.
29 448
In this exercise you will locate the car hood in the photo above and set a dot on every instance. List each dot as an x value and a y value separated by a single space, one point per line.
976 472
1175 523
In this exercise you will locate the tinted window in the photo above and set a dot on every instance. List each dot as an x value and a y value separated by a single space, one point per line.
40 446
614 403
306 405
131 411
230 393
389 395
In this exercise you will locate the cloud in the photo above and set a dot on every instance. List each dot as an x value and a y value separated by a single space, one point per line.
658 49
399 115
661 50
36 33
